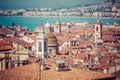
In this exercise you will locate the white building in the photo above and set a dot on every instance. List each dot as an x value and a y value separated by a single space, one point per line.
42 45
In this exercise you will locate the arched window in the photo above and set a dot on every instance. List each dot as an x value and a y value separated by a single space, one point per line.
40 46
97 28
45 46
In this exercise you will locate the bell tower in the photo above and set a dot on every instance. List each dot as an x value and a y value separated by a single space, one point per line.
58 26
98 32
42 45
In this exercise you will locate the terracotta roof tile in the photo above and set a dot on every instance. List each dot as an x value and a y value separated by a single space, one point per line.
33 60
63 52
25 44
6 30
5 48
103 50
83 44
81 56
27 72
73 74
32 36
31 72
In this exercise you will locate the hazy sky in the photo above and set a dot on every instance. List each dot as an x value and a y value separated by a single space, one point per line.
16 4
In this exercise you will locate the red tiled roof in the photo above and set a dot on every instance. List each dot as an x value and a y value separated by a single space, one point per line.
9 41
103 50
13 39
4 42
6 30
106 66
107 32
33 60
5 48
32 36
25 44
81 56
63 52
110 32
26 72
108 57
86 31
31 72
110 38
114 45
83 44
66 36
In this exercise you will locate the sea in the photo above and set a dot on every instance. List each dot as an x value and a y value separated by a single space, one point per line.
32 22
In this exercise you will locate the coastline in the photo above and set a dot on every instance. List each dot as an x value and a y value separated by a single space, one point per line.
64 17
33 21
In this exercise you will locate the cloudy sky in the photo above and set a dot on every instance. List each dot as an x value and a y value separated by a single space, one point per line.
16 4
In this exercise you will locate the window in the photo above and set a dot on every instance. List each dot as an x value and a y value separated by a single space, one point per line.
45 46
96 28
50 51
6 65
40 46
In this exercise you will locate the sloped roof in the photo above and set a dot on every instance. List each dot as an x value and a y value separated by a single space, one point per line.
73 74
31 72
6 30
58 22
5 48
32 36
27 72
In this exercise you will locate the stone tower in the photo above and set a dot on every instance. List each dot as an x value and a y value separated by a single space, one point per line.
98 32
58 26
41 45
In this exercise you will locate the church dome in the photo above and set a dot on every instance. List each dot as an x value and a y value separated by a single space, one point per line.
47 24
52 40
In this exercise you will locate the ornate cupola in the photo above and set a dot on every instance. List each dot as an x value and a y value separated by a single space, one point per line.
48 28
